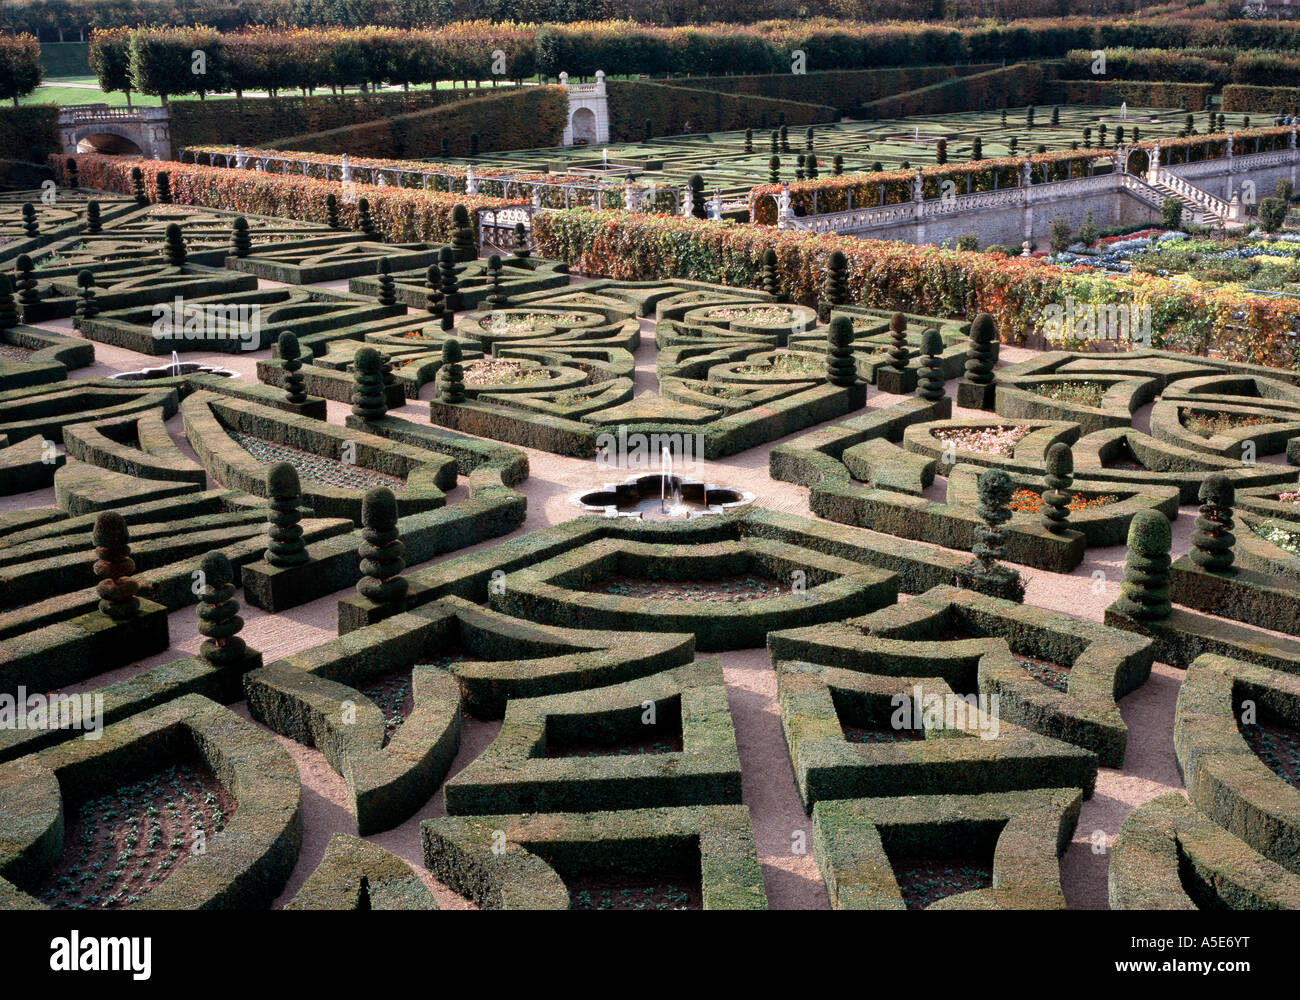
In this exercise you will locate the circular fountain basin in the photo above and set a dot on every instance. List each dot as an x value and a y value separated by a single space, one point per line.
651 498
174 370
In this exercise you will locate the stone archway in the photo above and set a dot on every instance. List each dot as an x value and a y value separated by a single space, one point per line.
111 143
583 124
1137 162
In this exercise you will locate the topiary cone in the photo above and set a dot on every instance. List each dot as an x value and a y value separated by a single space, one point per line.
241 244
387 287
174 246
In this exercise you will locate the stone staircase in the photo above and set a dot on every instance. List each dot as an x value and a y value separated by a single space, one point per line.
1199 207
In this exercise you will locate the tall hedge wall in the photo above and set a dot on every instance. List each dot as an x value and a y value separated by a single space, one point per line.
256 121
29 133
1012 86
844 88
673 110
525 118
1266 100
1138 93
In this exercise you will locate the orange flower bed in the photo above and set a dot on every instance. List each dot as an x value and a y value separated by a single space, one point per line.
1029 502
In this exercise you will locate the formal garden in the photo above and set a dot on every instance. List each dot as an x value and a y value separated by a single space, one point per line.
409 501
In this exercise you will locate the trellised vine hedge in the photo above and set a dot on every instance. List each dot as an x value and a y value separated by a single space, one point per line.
1268 100
919 279
401 215
674 110
1011 86
1138 93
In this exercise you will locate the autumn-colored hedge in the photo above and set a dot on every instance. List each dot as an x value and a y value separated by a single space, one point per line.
400 214
1008 87
674 110
1194 148
894 187
926 279
844 88
1265 100
524 118
255 121
1136 93
493 182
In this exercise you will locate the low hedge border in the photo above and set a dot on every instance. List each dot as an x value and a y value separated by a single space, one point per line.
351 257
946 761
133 328
1223 775
246 865
1026 455
351 863
137 445
1234 443
541 848
44 410
1016 399
28 465
1165 464
553 591
311 697
1105 663
1169 855
82 488
1186 635
519 277
1028 831
514 773
47 348
209 418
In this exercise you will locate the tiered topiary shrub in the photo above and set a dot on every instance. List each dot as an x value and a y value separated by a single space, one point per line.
114 566
290 355
368 402
930 380
137 187
332 211
840 367
87 307
995 489
219 621
174 249
382 553
770 274
387 290
241 244
897 376
835 288
1058 478
449 286
163 185
1144 592
364 221
94 224
976 390
463 243
452 375
1213 540
285 501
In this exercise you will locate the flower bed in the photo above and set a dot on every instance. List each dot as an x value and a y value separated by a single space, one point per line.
1208 425
1031 502
1082 393
501 371
985 440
